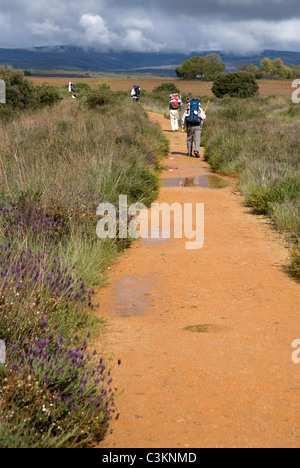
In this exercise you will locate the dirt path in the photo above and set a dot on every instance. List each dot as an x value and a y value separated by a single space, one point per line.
234 385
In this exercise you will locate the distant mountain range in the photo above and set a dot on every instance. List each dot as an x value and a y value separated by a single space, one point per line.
70 58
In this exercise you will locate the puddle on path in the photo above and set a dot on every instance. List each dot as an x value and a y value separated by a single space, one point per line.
203 181
132 295
198 181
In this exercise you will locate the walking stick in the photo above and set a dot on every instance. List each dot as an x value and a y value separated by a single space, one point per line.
207 105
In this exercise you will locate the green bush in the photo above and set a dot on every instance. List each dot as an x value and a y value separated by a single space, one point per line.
166 88
21 94
262 199
99 99
82 87
238 84
47 95
104 86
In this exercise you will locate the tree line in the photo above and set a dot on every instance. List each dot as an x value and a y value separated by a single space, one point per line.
208 68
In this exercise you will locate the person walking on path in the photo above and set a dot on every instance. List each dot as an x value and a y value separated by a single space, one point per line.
193 119
175 106
71 89
136 93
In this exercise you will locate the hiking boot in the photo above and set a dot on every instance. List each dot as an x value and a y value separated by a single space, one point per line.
190 155
197 155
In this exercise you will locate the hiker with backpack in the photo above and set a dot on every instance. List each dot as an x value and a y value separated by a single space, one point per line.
135 93
175 106
71 89
193 119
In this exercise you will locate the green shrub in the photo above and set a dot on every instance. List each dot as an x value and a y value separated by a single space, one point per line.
99 99
21 94
262 199
47 95
104 86
237 84
82 87
166 88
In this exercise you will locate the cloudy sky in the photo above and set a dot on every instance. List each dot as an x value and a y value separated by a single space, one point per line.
152 25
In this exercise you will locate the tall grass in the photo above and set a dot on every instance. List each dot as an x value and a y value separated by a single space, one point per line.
57 164
257 140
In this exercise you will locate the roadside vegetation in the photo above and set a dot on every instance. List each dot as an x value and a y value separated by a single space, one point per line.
58 161
209 67
257 141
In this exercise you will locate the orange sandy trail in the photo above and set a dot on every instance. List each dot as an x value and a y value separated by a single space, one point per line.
233 386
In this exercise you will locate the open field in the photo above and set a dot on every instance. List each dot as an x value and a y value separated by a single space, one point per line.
267 88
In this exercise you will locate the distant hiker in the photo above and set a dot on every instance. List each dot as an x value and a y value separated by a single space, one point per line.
135 93
193 119
175 106
72 89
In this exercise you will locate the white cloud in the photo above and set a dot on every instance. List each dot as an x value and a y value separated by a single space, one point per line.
134 40
96 30
129 36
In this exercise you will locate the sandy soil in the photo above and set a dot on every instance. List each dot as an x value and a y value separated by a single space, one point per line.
267 88
233 384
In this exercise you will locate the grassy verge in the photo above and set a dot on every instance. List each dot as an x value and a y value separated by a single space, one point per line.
257 141
57 164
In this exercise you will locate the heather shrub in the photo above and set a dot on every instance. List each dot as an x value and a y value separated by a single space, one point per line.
57 164
53 386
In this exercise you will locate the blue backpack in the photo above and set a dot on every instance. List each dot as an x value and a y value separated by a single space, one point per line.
137 90
194 110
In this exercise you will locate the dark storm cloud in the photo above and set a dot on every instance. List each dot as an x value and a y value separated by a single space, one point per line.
152 25
271 10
